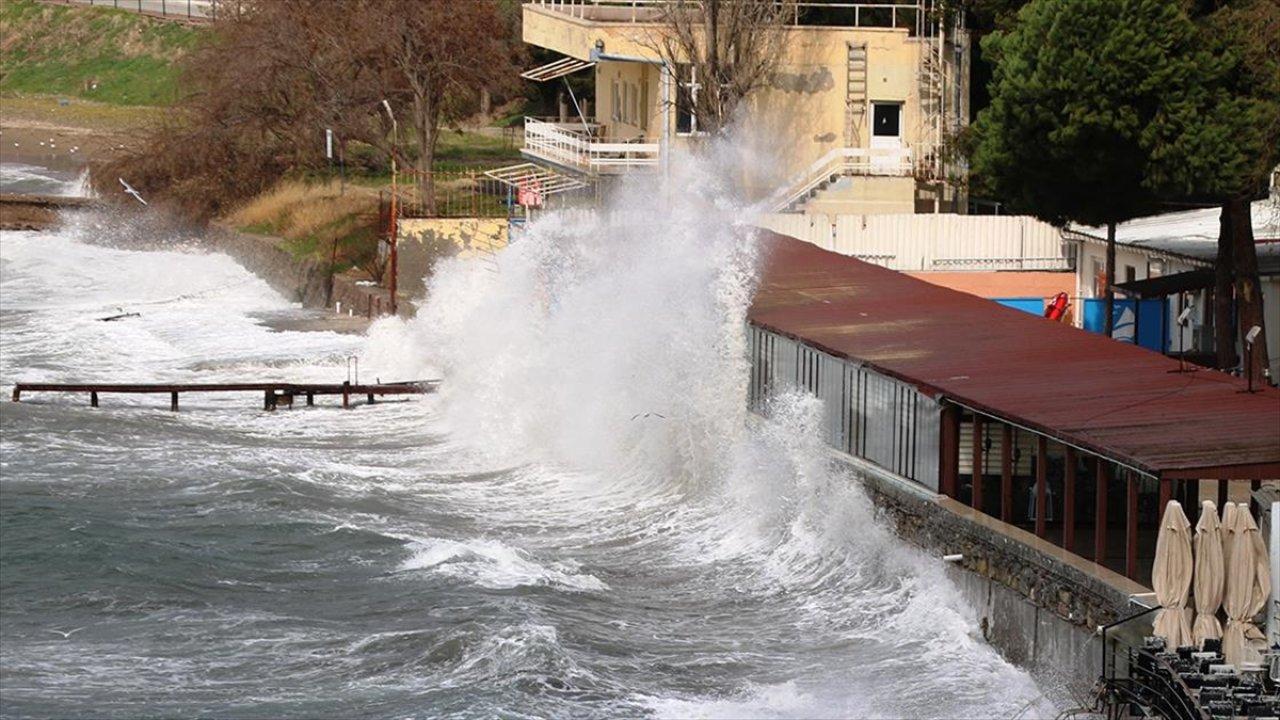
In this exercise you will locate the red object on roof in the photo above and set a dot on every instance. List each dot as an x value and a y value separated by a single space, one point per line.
1112 398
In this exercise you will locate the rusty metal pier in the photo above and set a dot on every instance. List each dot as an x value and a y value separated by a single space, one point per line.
273 394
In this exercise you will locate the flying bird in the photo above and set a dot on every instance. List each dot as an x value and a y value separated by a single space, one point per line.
66 634
129 189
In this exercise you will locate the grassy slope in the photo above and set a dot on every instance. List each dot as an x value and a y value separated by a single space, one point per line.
50 49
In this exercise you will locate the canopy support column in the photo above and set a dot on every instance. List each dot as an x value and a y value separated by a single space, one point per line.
1069 502
1100 512
1006 473
1042 484
975 501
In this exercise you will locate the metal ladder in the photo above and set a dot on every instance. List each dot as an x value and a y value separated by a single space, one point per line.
855 94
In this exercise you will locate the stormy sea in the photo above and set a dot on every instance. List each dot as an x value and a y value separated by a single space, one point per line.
583 522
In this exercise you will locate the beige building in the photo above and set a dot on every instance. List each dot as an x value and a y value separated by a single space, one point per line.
854 120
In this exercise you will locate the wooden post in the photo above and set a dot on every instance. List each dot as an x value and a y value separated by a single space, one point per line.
17 394
1069 502
311 399
370 396
975 500
1131 528
1166 494
1006 473
173 401
1192 490
1042 483
266 400
93 399
1255 485
949 463
1100 511
1222 493
346 395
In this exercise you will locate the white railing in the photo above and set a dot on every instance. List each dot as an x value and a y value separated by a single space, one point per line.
576 146
894 162
905 14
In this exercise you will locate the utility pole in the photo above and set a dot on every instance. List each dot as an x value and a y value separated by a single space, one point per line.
393 239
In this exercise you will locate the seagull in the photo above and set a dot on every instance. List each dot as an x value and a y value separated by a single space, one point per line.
129 189
66 634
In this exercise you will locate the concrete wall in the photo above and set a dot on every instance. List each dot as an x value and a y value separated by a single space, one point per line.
1038 605
802 115
424 241
300 280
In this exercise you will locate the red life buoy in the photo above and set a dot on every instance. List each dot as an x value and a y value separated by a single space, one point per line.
1058 307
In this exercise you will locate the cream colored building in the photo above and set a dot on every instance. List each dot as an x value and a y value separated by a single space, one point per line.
854 119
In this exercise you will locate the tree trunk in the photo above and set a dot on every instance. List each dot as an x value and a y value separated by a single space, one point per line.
1224 342
1109 293
427 126
1248 288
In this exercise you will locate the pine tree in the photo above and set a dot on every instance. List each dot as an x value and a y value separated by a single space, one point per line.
1078 87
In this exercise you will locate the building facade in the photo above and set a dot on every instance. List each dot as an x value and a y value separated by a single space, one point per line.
856 118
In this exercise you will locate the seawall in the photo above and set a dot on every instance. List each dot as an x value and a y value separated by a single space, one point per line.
301 280
1038 605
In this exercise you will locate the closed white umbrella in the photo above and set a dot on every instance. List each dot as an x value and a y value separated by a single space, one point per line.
1210 575
1246 591
1171 576
1228 530
1261 580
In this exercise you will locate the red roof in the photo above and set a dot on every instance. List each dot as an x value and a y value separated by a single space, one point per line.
1112 398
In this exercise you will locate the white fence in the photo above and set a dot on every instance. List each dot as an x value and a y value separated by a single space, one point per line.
569 145
934 242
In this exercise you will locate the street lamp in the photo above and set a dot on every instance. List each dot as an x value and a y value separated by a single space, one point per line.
1249 340
395 134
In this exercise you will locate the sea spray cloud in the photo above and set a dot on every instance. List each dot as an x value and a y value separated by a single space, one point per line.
603 336
610 345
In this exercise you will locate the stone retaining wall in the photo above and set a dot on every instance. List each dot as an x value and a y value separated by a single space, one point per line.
298 279
1038 605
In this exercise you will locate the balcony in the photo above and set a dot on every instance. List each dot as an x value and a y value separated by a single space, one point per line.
586 148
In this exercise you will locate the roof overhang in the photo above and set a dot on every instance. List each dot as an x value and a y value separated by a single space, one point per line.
556 69
1168 284
528 175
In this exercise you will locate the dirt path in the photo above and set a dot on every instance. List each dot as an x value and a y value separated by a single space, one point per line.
67 132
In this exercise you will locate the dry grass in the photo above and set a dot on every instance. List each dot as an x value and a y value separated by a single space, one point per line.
297 210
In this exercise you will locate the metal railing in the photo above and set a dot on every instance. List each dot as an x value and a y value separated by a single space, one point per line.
894 162
910 15
571 145
186 10
464 194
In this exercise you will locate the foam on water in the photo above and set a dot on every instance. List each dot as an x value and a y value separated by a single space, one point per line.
585 521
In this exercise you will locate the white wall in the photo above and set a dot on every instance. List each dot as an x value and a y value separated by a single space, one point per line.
932 242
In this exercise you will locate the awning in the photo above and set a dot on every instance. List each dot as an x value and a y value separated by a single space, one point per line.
1168 284
559 68
526 176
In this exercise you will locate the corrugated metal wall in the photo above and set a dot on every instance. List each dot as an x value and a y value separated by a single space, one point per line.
933 242
865 414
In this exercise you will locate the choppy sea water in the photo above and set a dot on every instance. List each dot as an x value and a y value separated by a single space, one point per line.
583 523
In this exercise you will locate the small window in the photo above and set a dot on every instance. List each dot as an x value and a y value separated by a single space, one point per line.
1130 273
886 120
644 102
686 99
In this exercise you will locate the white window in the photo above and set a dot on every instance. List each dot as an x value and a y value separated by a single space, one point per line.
687 88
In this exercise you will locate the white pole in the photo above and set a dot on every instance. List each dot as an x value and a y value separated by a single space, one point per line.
1273 627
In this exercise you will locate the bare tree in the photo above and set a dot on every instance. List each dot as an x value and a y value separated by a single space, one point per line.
436 56
721 51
